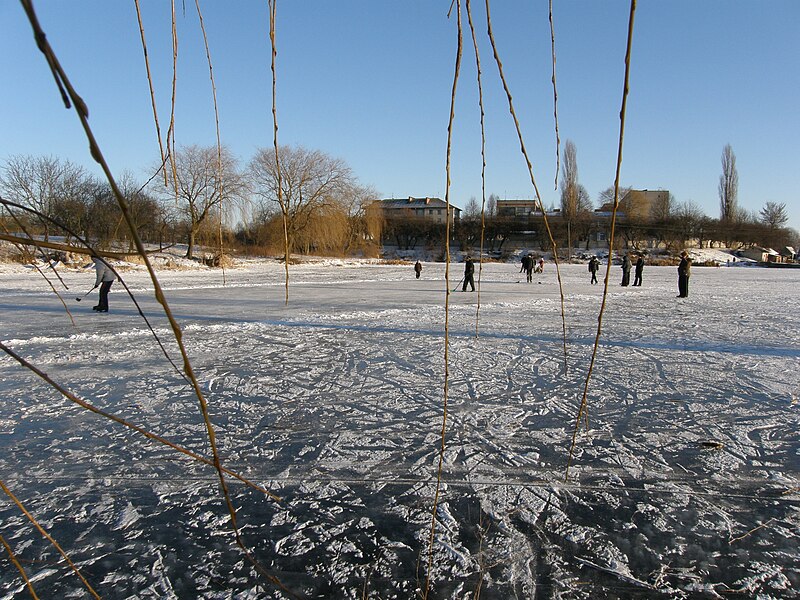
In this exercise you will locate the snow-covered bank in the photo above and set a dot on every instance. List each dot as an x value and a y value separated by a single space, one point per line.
685 485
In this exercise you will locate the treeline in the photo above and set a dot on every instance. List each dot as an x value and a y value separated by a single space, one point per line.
203 196
199 196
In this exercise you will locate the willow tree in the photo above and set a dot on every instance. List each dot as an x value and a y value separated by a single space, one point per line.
316 198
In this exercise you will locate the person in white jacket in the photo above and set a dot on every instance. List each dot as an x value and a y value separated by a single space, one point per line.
104 278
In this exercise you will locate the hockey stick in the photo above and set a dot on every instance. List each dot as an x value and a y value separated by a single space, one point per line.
86 294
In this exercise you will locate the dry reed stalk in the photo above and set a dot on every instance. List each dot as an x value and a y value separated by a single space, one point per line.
49 538
583 409
446 306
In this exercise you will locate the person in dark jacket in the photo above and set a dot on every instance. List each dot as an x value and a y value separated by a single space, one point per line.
530 263
684 271
594 265
637 272
418 268
626 271
469 273
104 278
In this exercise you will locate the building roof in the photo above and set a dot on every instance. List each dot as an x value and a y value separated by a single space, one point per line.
412 202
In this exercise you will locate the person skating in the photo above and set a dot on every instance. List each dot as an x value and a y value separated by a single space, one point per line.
637 272
418 268
684 271
594 265
104 277
469 272
529 264
626 271
540 269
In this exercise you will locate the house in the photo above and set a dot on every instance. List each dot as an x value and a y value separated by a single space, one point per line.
760 254
517 208
429 209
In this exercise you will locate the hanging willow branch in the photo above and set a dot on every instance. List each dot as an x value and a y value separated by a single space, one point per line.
583 406
533 179
90 251
446 309
483 156
284 209
555 90
97 155
219 139
152 90
49 538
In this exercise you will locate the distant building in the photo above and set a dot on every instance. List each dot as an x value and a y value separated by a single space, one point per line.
429 209
637 204
517 208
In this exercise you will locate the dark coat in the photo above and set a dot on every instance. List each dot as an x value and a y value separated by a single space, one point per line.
685 266
626 265
469 267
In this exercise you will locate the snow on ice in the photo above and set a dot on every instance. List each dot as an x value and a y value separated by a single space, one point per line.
684 485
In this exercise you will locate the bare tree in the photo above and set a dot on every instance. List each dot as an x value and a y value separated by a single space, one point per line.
607 195
491 205
42 183
728 186
472 208
314 187
774 215
204 180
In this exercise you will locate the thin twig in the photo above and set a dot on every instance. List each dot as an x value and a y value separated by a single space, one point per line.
753 530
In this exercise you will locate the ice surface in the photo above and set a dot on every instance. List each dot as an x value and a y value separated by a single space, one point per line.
684 485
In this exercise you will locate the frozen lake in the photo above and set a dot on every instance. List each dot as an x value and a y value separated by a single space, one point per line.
685 485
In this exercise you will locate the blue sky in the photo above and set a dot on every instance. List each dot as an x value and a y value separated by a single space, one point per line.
369 81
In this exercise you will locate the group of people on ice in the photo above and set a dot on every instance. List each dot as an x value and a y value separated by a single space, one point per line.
531 266
626 271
